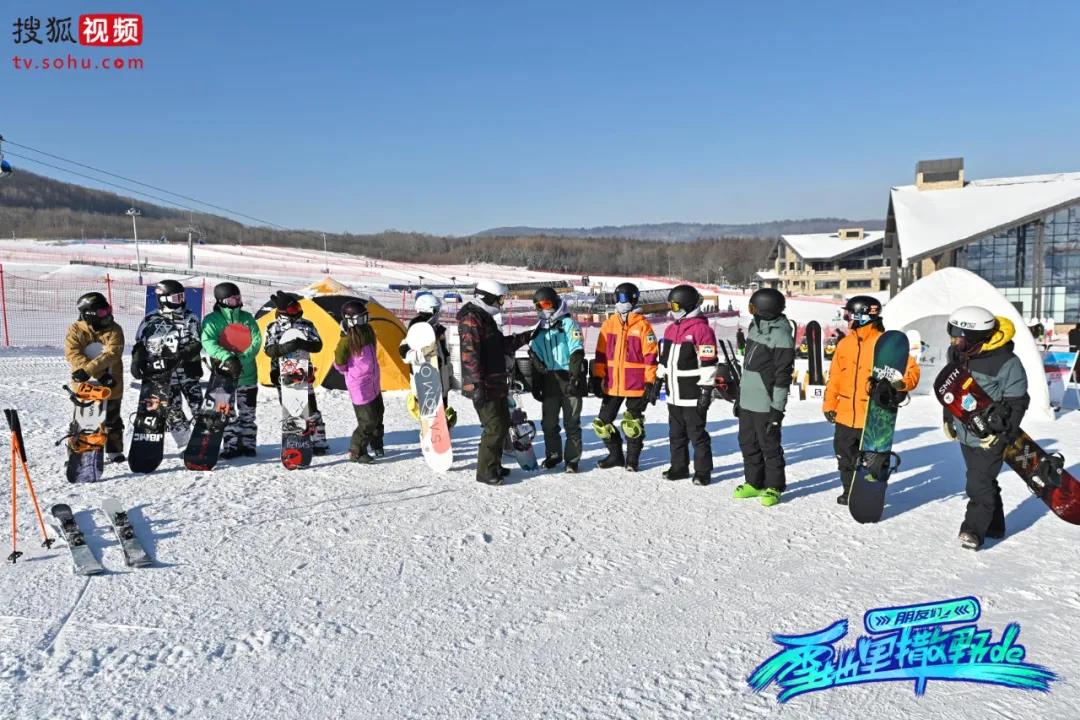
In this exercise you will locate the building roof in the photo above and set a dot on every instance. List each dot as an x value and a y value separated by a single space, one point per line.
767 275
930 221
826 246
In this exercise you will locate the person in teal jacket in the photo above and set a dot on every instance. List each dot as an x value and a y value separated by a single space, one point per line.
557 352
232 340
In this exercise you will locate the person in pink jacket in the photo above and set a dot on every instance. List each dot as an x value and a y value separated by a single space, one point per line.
356 359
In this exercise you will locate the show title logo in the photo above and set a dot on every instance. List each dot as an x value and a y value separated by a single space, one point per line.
908 644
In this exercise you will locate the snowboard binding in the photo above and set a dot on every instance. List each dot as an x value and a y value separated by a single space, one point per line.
1050 469
880 466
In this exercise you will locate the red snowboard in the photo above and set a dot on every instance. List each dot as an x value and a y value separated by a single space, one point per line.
1044 473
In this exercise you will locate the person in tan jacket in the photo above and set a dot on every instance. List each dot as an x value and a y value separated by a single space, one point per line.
96 327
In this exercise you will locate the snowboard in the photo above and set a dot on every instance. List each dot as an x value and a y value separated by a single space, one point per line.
522 432
1043 472
294 381
134 553
866 499
86 434
427 386
727 374
215 412
813 343
81 554
162 342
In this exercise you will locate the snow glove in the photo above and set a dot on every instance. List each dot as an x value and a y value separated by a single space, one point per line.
776 419
830 416
232 367
948 429
704 400
596 386
81 376
652 391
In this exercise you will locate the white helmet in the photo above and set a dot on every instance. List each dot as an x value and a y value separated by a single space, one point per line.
491 290
974 324
426 302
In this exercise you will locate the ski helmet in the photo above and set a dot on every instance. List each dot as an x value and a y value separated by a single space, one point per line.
546 299
287 304
970 327
767 303
228 294
683 299
354 313
95 310
170 295
627 292
491 292
862 310
428 304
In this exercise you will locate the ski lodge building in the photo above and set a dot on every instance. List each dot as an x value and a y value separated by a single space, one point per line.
1021 234
847 262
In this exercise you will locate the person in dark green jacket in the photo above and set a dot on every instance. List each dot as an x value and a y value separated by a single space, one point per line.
232 340
768 362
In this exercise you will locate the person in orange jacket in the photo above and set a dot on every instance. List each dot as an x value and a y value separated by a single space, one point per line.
848 389
624 368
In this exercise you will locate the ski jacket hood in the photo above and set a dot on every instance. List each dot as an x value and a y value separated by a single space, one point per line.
847 392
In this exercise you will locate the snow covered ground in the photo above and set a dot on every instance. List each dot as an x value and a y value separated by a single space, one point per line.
386 591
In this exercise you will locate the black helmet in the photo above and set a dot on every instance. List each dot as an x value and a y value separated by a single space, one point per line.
224 294
170 295
546 299
684 298
627 292
767 303
287 304
95 310
354 313
862 310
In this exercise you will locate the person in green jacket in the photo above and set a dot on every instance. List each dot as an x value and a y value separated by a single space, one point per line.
763 393
231 339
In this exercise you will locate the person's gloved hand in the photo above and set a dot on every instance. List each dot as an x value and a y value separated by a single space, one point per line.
538 389
290 346
191 350
652 392
948 429
735 408
830 415
414 357
989 442
705 399
81 376
776 419
232 367
596 386
107 379
574 385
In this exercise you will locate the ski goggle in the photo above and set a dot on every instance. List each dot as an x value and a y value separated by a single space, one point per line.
233 301
544 305
354 320
173 299
293 309
675 307
955 331
624 297
101 312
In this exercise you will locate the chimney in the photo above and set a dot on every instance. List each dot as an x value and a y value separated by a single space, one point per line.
939 174
850 233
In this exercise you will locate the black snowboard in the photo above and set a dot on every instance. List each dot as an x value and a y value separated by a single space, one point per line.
813 347
215 412
148 436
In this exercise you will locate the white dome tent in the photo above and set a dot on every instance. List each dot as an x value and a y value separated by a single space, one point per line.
925 306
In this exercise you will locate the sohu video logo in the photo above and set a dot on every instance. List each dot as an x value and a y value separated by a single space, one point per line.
907 643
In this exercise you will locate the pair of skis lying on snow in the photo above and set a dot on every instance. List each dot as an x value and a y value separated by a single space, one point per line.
82 556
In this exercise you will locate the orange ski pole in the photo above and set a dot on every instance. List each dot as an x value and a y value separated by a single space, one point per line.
14 548
47 541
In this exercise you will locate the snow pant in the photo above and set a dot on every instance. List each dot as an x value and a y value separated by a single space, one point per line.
494 417
763 454
183 386
241 433
557 399
846 442
985 515
687 425
318 439
114 427
635 408
369 422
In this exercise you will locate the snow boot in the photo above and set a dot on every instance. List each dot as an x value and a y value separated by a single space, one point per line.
633 452
497 480
571 467
970 541
846 479
363 458
673 474
503 472
746 490
229 454
551 462
614 457
702 478
117 457
770 497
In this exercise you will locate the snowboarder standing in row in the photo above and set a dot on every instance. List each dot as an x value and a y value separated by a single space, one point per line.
356 359
983 343
557 354
184 379
624 368
849 389
289 315
97 327
484 377
428 308
231 339
763 393
688 363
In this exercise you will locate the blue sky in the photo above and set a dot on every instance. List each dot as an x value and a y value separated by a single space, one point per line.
454 117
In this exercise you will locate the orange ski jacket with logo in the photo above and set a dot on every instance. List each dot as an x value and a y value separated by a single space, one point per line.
626 355
848 389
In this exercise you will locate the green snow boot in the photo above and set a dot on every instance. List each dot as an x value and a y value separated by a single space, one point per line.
746 491
770 497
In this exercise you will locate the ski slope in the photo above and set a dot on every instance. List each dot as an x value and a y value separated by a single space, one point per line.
385 591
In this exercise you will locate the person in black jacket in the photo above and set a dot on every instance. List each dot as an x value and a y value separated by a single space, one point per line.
484 377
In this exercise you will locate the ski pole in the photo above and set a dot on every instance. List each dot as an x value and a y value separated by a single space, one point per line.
47 541
14 548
